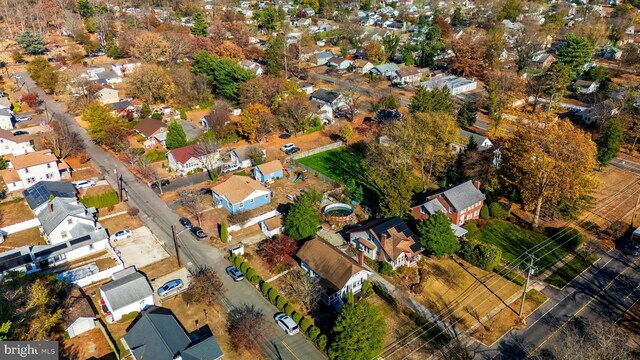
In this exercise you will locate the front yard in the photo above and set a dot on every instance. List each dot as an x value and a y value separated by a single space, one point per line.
339 164
14 211
569 271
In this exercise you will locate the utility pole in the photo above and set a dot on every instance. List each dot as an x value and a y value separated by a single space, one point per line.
526 284
175 243
635 210
118 178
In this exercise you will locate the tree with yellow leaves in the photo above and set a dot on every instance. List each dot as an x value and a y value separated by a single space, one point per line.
256 122
549 163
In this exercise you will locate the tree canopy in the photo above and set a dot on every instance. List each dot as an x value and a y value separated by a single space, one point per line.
225 76
610 141
105 128
575 53
200 26
436 100
176 138
436 235
303 218
31 42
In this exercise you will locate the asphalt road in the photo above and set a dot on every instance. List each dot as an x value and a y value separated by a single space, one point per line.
159 218
605 291
626 165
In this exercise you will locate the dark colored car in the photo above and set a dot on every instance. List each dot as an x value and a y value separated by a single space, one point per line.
20 132
186 223
632 248
205 191
198 232
163 182
293 150
235 273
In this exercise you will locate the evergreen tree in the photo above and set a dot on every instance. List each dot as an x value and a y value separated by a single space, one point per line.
111 48
456 18
274 55
85 9
610 141
575 53
436 235
303 219
467 114
436 100
225 75
145 111
358 332
200 25
176 138
31 42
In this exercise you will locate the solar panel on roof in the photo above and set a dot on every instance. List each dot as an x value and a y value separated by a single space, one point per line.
50 250
10 256
79 240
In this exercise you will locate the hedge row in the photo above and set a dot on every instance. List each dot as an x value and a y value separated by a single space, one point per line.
306 324
484 256
106 199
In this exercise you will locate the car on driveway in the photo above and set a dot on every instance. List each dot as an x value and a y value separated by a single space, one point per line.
633 245
120 235
163 182
235 273
20 132
18 77
170 287
186 223
85 184
287 146
293 150
227 168
286 323
23 118
198 232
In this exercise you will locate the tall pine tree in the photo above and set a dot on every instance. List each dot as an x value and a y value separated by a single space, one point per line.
176 137
436 235
610 141
200 25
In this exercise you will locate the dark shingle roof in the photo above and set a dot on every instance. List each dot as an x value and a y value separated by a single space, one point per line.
126 289
463 195
40 193
326 96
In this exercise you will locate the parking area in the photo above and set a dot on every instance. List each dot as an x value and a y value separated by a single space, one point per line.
181 274
141 249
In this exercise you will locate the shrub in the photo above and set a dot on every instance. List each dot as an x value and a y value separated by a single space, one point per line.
224 233
321 342
313 333
498 210
305 323
133 211
104 200
273 295
484 212
385 268
238 261
484 256
244 267
288 309
16 107
156 116
296 316
281 301
154 156
265 288
183 114
140 138
251 274
568 237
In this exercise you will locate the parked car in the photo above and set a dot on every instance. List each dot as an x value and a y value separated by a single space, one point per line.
293 150
287 146
286 323
235 273
163 182
198 232
227 168
401 85
186 223
170 287
632 248
122 234
205 191
85 184
20 132
23 118
19 77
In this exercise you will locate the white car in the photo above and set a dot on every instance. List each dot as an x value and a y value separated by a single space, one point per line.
120 235
286 323
23 118
288 146
18 77
85 184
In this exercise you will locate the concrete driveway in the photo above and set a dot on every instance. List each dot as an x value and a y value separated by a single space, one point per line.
141 249
182 274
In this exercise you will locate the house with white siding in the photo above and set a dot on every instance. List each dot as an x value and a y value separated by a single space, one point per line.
27 169
14 145
127 292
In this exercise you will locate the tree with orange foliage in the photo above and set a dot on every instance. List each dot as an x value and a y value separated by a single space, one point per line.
229 50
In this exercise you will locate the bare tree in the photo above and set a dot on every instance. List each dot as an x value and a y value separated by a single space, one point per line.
193 201
205 286
303 288
219 116
244 323
63 140
148 172
207 151
353 101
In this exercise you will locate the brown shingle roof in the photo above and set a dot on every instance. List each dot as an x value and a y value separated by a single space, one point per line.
270 167
408 71
238 188
148 127
32 159
77 306
332 265
9 175
274 222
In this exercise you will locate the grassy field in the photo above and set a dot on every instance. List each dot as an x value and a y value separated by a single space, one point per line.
338 164
515 242
571 269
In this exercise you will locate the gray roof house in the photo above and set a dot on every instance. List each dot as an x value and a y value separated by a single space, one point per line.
385 69
482 141
460 203
39 194
129 291
157 334
66 217
329 97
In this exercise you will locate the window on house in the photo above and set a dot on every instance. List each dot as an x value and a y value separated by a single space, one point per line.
266 196
48 165
64 234
241 205
90 246
31 180
251 201
49 176
70 221
26 170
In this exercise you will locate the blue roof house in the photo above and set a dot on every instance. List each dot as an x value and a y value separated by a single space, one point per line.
239 194
267 171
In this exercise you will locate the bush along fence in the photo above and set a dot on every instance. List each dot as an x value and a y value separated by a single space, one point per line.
280 301
106 199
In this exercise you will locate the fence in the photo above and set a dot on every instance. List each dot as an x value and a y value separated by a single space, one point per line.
253 221
293 159
105 274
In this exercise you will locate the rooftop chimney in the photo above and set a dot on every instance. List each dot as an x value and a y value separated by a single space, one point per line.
476 183
361 258
50 206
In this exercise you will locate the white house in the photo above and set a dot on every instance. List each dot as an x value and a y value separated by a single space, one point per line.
329 97
107 95
242 155
14 145
585 87
65 219
483 142
128 292
190 158
253 66
340 274
362 66
79 316
92 73
38 195
123 69
27 169
455 84
272 226
7 119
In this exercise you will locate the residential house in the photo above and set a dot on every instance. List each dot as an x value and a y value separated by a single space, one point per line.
385 116
362 66
239 194
128 291
332 98
27 169
191 157
611 53
121 106
388 240
92 73
7 119
108 78
481 141
108 95
253 66
38 195
325 113
542 60
272 226
14 145
124 69
585 86
407 75
460 203
323 56
242 155
307 87
340 63
456 85
309 11
337 273
78 317
386 70
154 131
271 170
5 103
157 334
65 219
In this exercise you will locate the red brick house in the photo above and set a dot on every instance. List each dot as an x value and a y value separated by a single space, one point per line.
461 203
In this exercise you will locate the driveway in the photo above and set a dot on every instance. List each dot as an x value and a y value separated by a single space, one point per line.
182 274
141 249
184 181
157 216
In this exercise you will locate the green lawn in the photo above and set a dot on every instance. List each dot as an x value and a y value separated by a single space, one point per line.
516 241
338 164
570 270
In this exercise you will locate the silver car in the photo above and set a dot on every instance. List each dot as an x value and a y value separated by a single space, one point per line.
286 323
170 287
